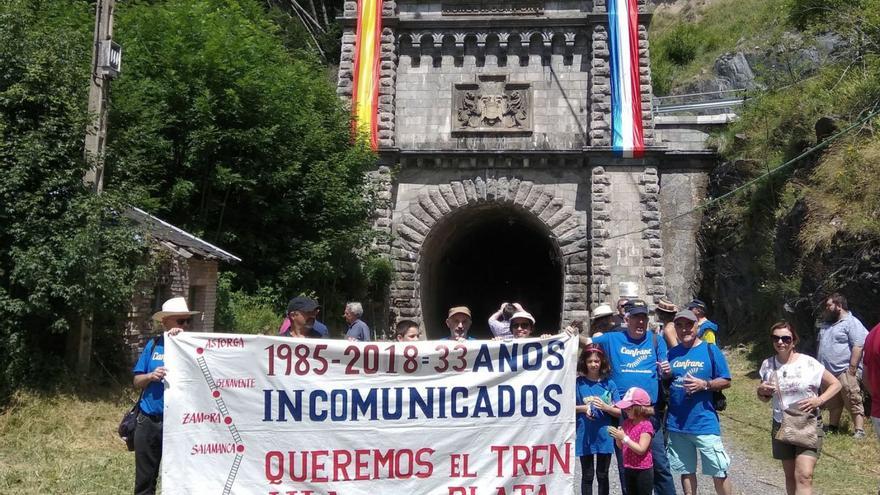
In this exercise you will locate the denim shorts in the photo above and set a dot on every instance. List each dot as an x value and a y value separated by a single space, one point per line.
683 449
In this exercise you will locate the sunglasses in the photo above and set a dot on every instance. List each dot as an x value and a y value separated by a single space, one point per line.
521 325
785 339
184 321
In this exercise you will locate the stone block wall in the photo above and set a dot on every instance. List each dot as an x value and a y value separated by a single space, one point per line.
550 61
623 251
681 191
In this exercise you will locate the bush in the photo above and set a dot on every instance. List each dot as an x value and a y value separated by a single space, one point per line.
682 44
240 312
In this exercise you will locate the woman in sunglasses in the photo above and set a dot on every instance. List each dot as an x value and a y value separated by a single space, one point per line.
792 379
149 372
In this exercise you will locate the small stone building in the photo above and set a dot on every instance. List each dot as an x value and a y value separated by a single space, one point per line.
187 267
496 171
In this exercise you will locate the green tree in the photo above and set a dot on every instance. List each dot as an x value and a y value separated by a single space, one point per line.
220 129
64 252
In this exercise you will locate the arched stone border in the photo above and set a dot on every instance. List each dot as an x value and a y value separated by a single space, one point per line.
554 210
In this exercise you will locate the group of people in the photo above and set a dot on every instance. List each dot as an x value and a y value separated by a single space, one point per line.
647 393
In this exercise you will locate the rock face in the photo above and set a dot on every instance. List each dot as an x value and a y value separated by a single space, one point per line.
735 69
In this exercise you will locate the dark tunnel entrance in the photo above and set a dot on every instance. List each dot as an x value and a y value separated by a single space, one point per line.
482 256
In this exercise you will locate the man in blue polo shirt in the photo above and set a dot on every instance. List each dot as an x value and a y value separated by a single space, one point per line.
149 375
638 359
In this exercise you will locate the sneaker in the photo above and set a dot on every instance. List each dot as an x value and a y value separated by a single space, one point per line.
830 429
859 434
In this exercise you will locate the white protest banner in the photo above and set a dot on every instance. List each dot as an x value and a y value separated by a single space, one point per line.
280 416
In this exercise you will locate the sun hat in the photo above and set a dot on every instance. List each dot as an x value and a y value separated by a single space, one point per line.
666 306
634 397
601 311
523 314
459 309
176 306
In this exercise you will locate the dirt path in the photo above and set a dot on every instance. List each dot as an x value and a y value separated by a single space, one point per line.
748 475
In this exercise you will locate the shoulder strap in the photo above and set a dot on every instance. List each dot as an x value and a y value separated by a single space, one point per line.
711 358
654 341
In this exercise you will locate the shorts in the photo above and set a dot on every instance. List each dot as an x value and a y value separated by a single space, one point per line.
683 448
850 395
786 451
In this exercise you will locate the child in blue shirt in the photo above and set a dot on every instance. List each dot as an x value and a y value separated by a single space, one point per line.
596 395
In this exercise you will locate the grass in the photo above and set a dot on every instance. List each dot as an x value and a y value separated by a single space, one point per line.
687 38
847 466
64 442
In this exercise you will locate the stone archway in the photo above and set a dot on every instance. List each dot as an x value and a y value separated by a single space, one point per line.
481 255
446 219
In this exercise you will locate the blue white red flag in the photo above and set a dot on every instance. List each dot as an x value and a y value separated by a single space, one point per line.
627 136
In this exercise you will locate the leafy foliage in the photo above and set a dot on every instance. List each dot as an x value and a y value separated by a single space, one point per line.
222 131
812 228
65 252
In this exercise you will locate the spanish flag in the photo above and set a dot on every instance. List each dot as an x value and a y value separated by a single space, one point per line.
365 94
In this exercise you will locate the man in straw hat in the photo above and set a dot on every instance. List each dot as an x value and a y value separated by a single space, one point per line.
665 312
149 373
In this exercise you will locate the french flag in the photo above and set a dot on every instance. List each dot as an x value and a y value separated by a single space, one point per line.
627 134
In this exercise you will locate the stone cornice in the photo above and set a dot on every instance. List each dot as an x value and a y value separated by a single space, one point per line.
506 22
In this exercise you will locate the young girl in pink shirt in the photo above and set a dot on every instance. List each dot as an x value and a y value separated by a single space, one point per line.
634 439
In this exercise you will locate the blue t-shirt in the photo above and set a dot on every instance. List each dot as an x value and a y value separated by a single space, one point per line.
320 329
592 435
695 413
359 331
633 362
151 358
707 325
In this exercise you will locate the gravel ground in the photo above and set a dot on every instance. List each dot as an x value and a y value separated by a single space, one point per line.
748 475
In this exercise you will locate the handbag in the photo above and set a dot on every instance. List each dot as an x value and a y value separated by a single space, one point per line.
798 428
128 425
719 401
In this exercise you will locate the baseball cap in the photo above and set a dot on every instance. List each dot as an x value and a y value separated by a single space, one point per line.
636 307
459 309
302 303
696 303
634 396
686 314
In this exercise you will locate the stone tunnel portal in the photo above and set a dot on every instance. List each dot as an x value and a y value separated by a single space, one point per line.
484 255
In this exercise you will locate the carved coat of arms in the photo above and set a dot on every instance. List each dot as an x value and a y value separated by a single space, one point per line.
492 106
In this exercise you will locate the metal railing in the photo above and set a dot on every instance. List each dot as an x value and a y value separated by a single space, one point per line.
708 103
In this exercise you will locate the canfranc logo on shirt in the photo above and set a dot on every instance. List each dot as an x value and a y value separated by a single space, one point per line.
640 355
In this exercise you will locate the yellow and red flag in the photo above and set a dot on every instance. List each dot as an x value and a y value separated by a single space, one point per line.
365 94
